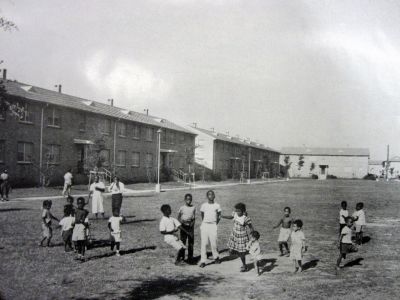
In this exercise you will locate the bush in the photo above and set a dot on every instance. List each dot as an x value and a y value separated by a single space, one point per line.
369 177
313 176
216 177
331 176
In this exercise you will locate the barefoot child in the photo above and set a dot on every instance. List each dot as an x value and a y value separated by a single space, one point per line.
359 218
239 237
343 213
210 215
298 245
345 244
47 216
168 226
284 233
114 224
254 250
187 217
80 226
66 224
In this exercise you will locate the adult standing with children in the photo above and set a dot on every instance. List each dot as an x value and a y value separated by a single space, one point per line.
96 190
116 189
4 185
211 215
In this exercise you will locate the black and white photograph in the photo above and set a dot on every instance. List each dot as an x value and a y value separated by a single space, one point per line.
199 149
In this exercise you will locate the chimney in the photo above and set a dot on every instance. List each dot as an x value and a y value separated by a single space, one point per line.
212 129
5 74
111 101
195 125
59 88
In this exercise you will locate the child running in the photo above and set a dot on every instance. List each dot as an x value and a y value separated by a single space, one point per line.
239 237
114 224
47 216
210 215
285 230
254 250
80 226
168 226
359 218
298 245
187 217
345 244
343 213
66 224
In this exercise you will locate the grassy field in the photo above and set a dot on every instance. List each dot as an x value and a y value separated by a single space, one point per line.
146 269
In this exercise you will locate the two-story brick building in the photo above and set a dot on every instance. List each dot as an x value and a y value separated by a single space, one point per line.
59 131
228 156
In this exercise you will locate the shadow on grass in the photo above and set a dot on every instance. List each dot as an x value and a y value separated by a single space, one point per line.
190 287
122 252
356 262
12 209
262 264
99 244
139 221
310 264
366 239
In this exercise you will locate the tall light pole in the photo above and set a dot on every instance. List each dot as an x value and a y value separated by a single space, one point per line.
248 179
158 188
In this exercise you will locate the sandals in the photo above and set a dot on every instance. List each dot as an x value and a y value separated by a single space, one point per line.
243 269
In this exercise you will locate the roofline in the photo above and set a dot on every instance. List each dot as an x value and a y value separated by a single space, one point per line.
308 154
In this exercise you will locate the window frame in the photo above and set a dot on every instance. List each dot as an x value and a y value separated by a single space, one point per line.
136 130
50 148
117 163
52 118
149 129
121 125
148 154
27 115
2 151
83 122
133 165
24 161
107 162
103 125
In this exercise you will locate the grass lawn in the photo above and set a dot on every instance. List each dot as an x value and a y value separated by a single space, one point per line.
146 269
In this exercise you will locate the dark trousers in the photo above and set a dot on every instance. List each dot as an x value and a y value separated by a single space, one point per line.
116 203
4 188
190 239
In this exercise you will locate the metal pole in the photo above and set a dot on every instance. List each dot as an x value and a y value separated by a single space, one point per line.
41 148
248 179
158 188
387 164
115 144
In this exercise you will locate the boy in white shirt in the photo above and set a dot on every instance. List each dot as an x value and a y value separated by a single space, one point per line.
114 224
187 217
67 182
343 213
211 215
67 225
168 226
359 218
345 244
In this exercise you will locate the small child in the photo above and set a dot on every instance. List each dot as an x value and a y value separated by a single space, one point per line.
359 218
70 205
187 217
114 224
254 250
239 237
168 226
285 230
298 246
343 213
80 226
67 227
47 216
345 244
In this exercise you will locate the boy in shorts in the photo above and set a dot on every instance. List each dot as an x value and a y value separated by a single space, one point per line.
345 244
359 218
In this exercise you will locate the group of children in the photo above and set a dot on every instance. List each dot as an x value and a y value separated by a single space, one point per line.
75 227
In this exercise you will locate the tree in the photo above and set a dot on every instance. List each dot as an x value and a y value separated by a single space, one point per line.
7 25
301 162
312 166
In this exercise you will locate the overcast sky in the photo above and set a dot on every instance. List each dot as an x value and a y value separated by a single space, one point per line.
284 73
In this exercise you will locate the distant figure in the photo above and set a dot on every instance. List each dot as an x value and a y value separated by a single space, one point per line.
345 243
79 234
47 217
285 230
116 189
66 224
67 183
298 245
359 218
343 213
4 186
96 191
114 224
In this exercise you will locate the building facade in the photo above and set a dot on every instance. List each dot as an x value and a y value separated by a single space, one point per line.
339 162
57 131
376 167
230 157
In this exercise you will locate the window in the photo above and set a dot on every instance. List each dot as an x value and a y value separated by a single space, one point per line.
105 157
2 114
122 129
106 126
149 134
25 152
149 160
27 116
136 131
172 138
121 158
135 159
182 162
182 139
82 123
163 136
52 155
2 151
54 118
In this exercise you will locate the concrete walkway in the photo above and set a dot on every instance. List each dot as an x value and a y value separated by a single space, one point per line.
131 192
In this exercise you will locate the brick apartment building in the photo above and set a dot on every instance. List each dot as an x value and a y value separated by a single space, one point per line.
59 131
228 156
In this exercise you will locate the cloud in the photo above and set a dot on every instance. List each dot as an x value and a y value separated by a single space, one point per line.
124 79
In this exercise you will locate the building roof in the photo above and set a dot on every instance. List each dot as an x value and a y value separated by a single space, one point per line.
38 94
395 159
375 162
230 139
325 151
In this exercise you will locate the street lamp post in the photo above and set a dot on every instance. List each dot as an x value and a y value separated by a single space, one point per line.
248 179
158 188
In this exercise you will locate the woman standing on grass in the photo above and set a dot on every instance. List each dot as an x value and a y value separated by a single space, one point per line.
116 188
96 191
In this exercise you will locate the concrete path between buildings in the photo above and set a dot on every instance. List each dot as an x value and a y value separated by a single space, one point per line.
131 192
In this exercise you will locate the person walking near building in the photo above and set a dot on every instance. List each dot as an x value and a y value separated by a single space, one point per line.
96 190
116 189
67 183
4 186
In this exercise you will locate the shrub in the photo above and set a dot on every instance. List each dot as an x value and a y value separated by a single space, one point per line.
369 177
313 176
331 176
216 177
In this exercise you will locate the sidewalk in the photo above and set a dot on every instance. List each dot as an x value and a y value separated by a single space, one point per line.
131 189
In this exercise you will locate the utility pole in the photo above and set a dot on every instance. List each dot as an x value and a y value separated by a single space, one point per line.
147 111
387 164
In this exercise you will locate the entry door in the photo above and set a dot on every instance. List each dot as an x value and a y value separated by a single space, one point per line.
323 172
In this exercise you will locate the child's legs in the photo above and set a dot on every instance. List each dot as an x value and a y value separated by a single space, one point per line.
286 246
204 241
112 245
299 263
281 247
191 243
50 235
117 245
213 236
243 258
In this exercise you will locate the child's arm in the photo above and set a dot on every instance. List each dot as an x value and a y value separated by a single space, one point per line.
99 189
279 224
53 217
184 230
179 216
109 227
227 217
218 216
251 227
